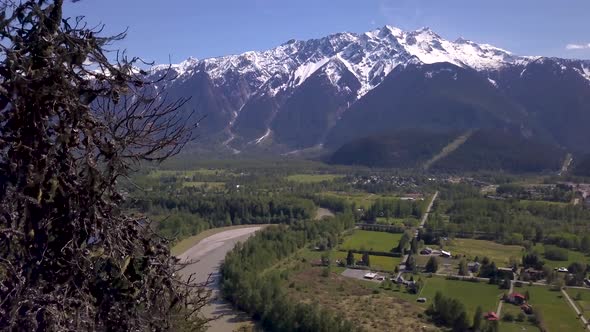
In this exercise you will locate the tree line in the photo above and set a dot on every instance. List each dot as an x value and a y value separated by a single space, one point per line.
261 295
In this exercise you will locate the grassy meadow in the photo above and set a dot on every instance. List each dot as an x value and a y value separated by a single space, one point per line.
371 241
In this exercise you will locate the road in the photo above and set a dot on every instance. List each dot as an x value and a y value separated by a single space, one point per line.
425 216
207 256
402 265
499 311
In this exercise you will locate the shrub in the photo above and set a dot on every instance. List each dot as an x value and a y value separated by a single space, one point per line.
521 317
555 253
508 317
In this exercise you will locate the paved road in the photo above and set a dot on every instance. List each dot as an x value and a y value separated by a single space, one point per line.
208 255
425 216
499 311
573 305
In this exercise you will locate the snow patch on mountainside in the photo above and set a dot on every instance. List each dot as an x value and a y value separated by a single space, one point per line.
261 138
306 70
370 56
493 82
585 72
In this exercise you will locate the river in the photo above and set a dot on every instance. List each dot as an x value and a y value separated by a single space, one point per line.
209 254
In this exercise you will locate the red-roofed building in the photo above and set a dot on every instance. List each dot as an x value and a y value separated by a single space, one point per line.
516 298
492 316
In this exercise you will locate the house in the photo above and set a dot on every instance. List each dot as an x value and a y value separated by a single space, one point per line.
506 273
426 251
527 309
445 254
516 298
370 275
491 316
534 273
399 280
473 266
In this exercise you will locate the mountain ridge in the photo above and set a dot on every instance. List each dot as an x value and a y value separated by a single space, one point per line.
299 94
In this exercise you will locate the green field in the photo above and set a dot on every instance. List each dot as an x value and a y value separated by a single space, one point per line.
515 326
471 294
371 241
377 262
361 200
584 302
498 253
312 178
410 221
199 184
574 256
189 173
557 314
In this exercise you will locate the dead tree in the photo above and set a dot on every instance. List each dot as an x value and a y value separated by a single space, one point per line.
72 123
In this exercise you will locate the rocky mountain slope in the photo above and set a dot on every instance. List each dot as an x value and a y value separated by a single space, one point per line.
323 93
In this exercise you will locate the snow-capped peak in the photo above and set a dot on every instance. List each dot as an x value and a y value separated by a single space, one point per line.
369 56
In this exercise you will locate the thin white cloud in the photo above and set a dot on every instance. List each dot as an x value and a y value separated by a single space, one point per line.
577 46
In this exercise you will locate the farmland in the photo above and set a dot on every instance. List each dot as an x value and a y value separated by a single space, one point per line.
581 297
471 294
360 200
200 184
371 241
312 178
496 252
557 314
377 262
573 256
190 173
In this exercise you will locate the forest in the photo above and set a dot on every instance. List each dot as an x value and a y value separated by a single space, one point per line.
510 221
245 284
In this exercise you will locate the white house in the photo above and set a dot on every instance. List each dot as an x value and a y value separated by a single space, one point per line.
444 253
370 275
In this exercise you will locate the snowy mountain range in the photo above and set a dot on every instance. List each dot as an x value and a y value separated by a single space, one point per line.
325 92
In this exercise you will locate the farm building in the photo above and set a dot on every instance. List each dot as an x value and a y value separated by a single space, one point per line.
516 298
473 267
370 275
491 316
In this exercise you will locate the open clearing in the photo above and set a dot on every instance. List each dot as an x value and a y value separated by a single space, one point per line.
357 301
371 241
312 178
583 302
573 256
377 262
198 184
471 294
515 325
189 173
360 200
498 253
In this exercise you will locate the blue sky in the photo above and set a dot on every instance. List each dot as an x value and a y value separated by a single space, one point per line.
160 30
